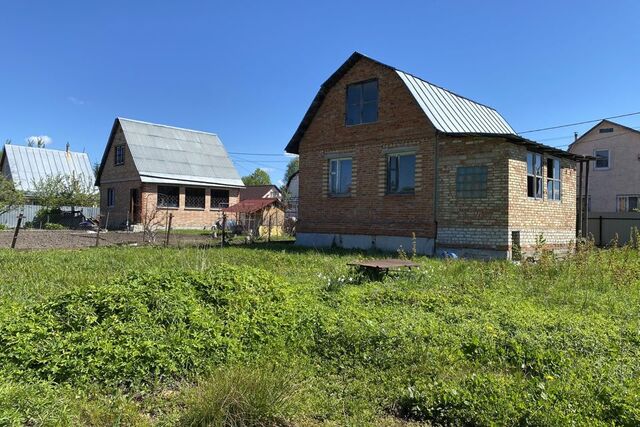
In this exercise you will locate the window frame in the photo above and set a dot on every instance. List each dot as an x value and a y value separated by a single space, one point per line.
119 149
219 205
595 163
472 193
339 160
554 180
111 197
626 197
537 179
187 197
163 194
362 102
399 154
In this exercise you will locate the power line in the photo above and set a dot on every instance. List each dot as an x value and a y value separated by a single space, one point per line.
261 154
579 123
636 128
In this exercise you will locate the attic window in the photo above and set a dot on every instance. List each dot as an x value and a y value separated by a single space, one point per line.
606 130
119 155
362 103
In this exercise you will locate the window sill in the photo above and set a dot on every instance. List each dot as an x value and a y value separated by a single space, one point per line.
118 164
171 208
413 193
193 209
339 196
360 124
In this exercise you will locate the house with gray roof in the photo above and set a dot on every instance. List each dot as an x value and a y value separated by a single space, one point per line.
28 166
391 161
149 171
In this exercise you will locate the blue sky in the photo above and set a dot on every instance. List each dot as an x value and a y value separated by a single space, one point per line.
248 70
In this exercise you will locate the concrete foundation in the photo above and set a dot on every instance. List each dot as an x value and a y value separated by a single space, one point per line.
424 246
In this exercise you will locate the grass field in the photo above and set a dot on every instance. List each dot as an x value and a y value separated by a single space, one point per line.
275 335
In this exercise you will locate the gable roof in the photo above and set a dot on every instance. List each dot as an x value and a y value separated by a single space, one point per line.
169 155
600 123
257 191
449 112
29 165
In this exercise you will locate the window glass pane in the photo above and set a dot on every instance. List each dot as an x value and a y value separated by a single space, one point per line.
194 197
168 196
370 112
471 182
530 163
602 158
370 91
406 173
556 169
219 199
537 164
550 189
633 203
333 176
530 186
353 114
539 187
354 94
345 176
392 174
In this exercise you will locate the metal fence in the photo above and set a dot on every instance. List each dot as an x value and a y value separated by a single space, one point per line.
606 227
29 212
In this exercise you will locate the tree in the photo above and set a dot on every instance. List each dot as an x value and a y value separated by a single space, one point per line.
9 196
73 190
258 177
292 167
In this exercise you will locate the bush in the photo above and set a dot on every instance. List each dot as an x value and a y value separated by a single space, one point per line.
240 396
3 227
53 226
145 327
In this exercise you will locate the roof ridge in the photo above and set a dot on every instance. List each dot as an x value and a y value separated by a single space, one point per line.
46 149
166 126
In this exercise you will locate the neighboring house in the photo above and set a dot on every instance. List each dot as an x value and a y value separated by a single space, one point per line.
149 169
259 217
251 192
614 177
388 160
293 194
28 166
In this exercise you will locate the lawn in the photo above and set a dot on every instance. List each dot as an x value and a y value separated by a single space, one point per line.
276 335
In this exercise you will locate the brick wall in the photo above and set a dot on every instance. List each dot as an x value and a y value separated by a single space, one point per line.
401 124
122 179
555 220
483 223
184 217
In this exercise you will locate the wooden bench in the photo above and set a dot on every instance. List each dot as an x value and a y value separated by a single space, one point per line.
378 268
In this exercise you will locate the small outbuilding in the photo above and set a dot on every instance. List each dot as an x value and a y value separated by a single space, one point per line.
149 171
257 217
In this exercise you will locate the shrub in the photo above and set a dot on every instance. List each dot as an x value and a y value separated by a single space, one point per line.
53 226
240 396
3 227
126 332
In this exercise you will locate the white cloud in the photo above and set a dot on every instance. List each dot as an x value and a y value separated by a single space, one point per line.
75 100
33 140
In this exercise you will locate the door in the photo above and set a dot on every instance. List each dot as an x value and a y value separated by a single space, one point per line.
134 206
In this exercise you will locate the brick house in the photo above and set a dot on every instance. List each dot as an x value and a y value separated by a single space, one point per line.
149 169
386 156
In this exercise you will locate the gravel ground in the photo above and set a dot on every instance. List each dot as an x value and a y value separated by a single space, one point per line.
68 239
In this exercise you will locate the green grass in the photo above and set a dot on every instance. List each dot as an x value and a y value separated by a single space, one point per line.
277 335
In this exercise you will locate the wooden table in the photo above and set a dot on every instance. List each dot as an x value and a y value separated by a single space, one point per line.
378 268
